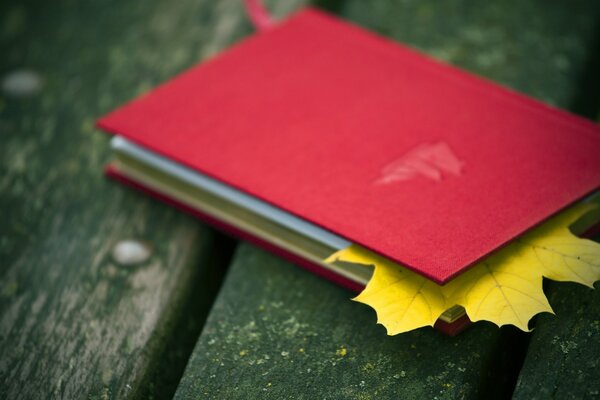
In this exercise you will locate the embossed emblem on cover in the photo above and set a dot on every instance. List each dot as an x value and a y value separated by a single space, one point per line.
431 161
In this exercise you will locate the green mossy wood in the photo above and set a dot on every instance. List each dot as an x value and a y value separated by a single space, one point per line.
563 357
73 322
278 332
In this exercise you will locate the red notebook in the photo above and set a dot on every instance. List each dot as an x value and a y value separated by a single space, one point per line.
416 160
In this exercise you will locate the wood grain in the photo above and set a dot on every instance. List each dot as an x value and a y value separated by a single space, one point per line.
277 332
563 357
73 322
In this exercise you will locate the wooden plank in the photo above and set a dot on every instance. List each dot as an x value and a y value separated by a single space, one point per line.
536 47
278 332
563 358
75 323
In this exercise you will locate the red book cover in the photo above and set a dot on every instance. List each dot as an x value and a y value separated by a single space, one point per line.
416 160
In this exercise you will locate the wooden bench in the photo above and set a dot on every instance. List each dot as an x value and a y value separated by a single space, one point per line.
79 321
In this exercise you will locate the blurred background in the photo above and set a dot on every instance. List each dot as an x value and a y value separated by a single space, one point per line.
78 322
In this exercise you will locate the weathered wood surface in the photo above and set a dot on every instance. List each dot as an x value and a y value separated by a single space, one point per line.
563 357
73 322
278 332
537 47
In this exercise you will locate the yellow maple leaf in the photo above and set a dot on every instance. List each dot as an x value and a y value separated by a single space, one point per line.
500 290
504 288
403 300
560 255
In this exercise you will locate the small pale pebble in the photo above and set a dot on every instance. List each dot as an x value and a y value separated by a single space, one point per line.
131 252
21 83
